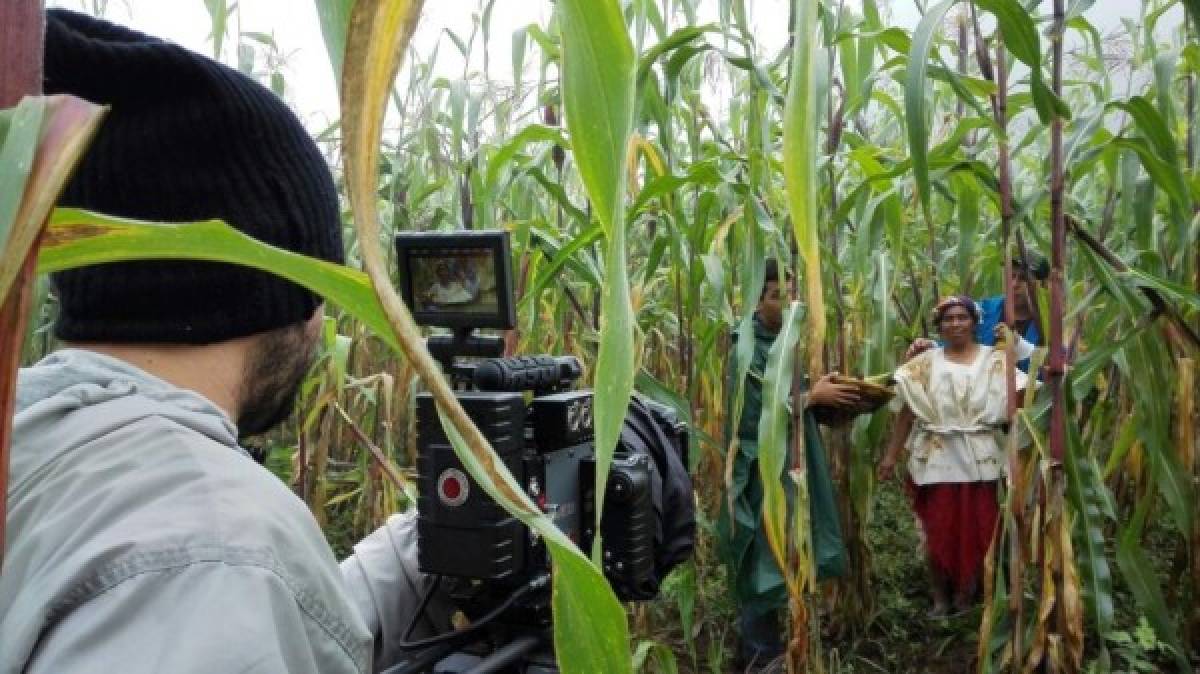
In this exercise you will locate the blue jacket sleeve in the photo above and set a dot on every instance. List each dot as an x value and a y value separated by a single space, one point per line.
993 313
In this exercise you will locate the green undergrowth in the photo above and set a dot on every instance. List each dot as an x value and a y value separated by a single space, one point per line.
901 637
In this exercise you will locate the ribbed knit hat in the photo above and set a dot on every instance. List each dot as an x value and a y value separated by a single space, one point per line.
186 138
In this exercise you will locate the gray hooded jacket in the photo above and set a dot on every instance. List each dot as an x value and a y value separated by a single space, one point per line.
142 538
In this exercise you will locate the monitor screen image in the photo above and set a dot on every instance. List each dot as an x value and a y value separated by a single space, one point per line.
449 280
457 279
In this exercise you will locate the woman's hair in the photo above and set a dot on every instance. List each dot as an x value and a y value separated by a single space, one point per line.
1032 266
963 301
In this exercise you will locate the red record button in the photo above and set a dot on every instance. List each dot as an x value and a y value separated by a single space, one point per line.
453 487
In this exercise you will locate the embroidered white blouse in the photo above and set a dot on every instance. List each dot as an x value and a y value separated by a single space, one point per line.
959 411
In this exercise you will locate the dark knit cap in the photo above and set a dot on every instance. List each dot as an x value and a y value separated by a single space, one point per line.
186 138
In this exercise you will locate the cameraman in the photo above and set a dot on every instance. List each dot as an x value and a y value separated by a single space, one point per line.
141 537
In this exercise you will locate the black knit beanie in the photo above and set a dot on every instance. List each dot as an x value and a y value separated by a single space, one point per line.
186 138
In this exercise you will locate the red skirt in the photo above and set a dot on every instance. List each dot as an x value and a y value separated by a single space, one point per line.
958 520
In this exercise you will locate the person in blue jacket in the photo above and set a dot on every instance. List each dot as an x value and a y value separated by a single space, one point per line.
1028 278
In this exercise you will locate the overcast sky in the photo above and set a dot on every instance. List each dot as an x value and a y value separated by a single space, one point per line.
310 81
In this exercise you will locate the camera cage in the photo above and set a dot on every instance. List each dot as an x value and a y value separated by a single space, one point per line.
432 258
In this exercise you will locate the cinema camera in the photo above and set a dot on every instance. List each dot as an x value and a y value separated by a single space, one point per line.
492 566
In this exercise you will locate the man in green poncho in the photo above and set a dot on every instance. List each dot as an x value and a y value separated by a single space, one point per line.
757 582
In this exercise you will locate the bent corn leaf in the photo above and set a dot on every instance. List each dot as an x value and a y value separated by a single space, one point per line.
66 129
75 238
773 431
800 171
914 97
378 33
18 143
334 16
598 98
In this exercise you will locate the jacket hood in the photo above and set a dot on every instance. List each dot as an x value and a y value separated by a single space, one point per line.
51 393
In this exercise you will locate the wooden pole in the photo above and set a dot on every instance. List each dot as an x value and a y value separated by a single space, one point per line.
21 36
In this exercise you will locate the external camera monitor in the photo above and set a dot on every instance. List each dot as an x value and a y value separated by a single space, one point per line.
457 280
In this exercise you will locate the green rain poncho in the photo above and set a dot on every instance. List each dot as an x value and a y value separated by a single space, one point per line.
742 540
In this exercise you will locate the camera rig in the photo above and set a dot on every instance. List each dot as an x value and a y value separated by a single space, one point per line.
493 567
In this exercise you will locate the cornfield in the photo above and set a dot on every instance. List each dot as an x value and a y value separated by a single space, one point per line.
647 157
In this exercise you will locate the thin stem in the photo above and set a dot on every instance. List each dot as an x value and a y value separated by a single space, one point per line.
1057 365
1016 487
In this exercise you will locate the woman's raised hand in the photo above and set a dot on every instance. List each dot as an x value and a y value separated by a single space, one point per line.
920 345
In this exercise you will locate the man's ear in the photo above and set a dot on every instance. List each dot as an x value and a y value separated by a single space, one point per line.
313 325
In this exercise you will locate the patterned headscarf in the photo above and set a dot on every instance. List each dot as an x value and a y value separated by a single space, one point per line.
963 301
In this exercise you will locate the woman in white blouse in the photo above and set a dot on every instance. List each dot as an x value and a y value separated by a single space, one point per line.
954 409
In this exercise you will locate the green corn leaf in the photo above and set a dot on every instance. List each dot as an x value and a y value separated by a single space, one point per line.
1021 38
773 431
1015 23
75 238
896 39
503 155
1138 572
334 17
1193 11
915 107
699 175
218 16
1174 292
559 194
598 94
567 254
1174 484
660 392
64 127
547 43
1152 125
1147 363
1089 365
969 89
952 146
678 60
1084 489
1166 177
800 172
18 144
598 97
520 38
678 39
753 266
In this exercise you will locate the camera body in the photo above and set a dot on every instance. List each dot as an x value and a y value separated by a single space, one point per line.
548 445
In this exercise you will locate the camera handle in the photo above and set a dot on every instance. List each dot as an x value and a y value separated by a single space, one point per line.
445 348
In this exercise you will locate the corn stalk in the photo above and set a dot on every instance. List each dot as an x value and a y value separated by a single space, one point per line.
20 46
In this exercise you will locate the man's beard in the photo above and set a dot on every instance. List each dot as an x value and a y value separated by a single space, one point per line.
275 369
